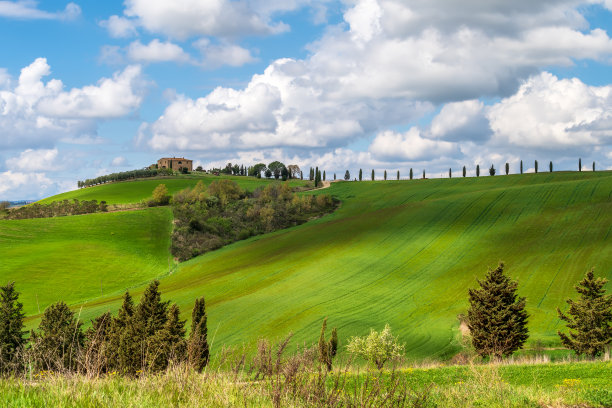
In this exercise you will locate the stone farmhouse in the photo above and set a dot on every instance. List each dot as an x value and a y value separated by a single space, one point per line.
175 163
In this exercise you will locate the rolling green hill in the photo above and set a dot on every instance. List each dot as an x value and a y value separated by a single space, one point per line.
403 253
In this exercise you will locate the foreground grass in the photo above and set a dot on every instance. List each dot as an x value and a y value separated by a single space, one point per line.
587 384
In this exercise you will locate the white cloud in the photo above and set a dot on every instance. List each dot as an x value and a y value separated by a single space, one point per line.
464 120
18 185
157 51
120 27
215 56
35 113
119 161
410 146
28 10
34 160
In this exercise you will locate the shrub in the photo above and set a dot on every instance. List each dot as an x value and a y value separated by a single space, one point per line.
377 348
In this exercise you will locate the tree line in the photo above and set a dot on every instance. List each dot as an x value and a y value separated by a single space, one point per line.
125 175
56 209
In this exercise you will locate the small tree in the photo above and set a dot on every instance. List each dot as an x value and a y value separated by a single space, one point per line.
398 175
327 349
160 195
497 318
550 166
450 173
377 348
317 179
360 174
324 175
593 166
284 174
12 336
411 174
579 164
464 171
347 175
423 174
268 173
372 174
385 175
589 318
478 170
492 171
197 347
521 167
507 169
536 166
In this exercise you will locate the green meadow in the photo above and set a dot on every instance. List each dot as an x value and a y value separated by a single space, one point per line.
397 252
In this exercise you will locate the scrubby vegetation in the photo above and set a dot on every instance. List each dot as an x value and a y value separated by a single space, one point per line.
56 209
209 218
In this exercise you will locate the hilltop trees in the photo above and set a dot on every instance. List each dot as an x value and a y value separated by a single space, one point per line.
12 335
497 318
589 319
398 174
550 166
385 175
450 173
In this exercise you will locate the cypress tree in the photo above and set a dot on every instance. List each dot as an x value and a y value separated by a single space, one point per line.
123 351
347 175
593 166
550 166
58 340
496 318
385 175
301 175
372 174
317 177
324 176
464 171
334 176
411 174
360 174
478 170
536 166
579 164
521 167
12 335
423 174
450 173
589 319
507 169
398 175
197 347
492 171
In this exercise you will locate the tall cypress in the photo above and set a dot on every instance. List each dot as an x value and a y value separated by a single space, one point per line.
423 174
398 175
197 347
497 318
589 318
521 167
450 173
579 164
550 166
324 176
385 175
372 174
536 166
167 344
360 174
464 171
593 166
411 174
12 335
478 170
507 168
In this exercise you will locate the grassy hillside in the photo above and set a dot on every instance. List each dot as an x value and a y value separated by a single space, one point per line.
403 253
134 191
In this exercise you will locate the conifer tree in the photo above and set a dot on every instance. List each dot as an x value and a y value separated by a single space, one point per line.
167 344
550 166
317 177
385 175
324 176
507 169
334 176
478 170
301 175
521 167
450 173
12 335
372 174
496 318
593 166
347 175
398 175
589 319
423 174
411 174
197 348
58 340
360 174
123 348
579 164
464 171
492 171
536 166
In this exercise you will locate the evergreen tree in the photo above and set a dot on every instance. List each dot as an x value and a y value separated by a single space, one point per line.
492 171
123 348
496 318
478 170
593 166
197 347
360 174
317 182
411 174
464 171
167 344
521 167
301 175
579 164
284 173
312 174
334 176
385 175
12 335
59 338
589 318
347 175
507 169
450 173
423 174
398 175
550 166
372 174
324 176
327 349
536 166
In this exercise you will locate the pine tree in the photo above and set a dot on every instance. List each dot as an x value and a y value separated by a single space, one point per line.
464 171
360 174
123 348
385 175
372 174
589 318
12 335
167 344
411 174
579 164
197 347
507 169
478 170
550 166
496 318
59 338
521 167
398 175
536 166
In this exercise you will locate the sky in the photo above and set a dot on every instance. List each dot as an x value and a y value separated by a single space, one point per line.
93 87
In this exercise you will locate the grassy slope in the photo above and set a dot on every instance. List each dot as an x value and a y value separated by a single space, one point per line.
134 191
403 253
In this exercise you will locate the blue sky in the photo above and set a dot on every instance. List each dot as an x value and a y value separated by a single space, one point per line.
88 88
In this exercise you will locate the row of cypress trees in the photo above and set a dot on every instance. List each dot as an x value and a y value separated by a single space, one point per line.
141 338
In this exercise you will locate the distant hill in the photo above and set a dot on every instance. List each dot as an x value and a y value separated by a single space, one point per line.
397 252
20 203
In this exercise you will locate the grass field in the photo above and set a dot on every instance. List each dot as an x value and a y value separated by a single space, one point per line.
403 253
134 191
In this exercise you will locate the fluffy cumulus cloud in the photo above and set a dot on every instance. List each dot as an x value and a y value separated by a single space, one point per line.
389 63
16 185
157 51
34 160
37 113
28 10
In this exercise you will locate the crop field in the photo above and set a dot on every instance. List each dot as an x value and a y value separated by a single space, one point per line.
397 252
134 191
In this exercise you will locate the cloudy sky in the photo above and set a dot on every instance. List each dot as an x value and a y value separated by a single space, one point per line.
88 88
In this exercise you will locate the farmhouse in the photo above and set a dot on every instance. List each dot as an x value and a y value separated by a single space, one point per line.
175 163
